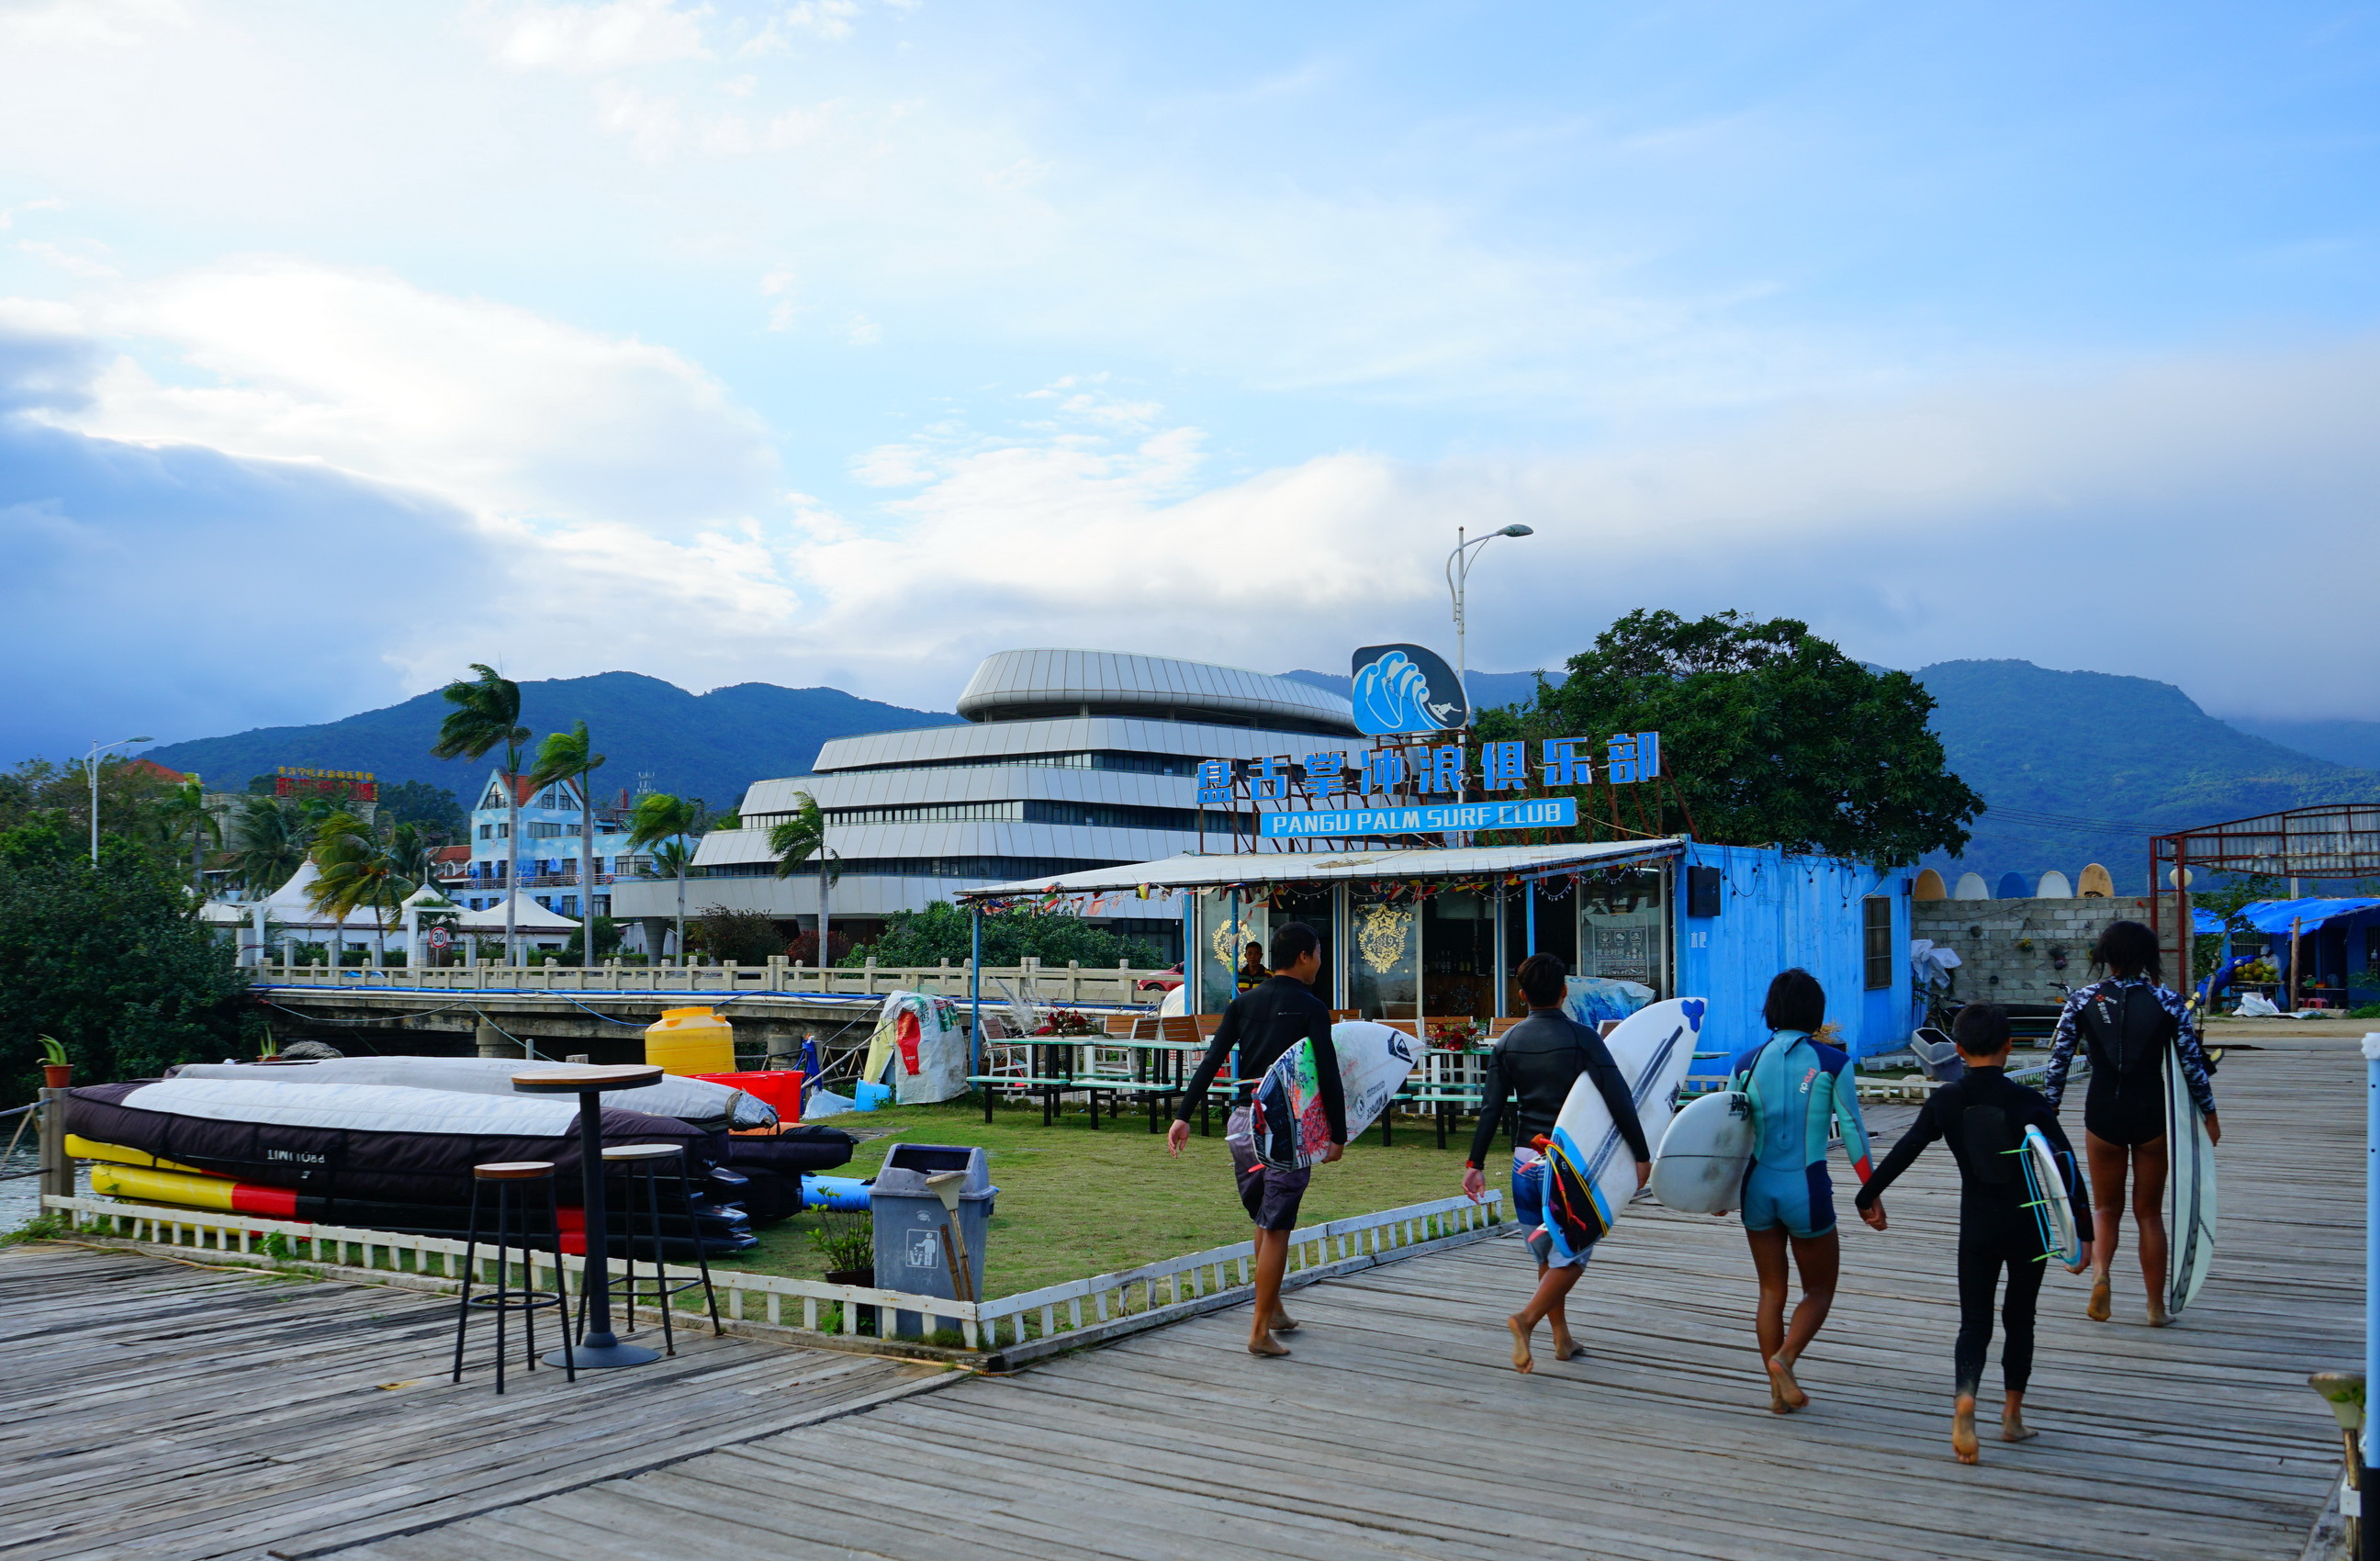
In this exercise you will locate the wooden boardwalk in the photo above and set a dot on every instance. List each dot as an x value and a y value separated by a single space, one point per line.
1398 1429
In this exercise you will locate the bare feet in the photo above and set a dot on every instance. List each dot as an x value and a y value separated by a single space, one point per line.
2158 1317
1565 1347
2013 1429
1281 1323
1523 1361
2102 1299
1962 1431
1782 1388
1263 1343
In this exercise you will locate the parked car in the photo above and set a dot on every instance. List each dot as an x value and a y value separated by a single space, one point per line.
1163 981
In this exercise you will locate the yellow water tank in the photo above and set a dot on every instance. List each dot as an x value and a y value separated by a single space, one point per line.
687 1041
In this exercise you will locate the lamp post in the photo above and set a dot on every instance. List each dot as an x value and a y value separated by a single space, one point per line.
97 748
1458 575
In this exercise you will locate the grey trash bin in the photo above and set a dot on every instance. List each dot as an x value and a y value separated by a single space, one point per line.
909 1219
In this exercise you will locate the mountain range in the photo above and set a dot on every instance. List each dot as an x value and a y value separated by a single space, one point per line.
2076 766
709 746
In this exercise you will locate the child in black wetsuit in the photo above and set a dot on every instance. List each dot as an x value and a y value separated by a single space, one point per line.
1984 1116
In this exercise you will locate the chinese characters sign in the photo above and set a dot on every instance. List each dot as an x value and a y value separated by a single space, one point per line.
1431 769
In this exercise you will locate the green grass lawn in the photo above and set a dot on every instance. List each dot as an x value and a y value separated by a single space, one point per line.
1074 1202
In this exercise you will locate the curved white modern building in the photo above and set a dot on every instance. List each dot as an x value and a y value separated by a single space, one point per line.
1067 760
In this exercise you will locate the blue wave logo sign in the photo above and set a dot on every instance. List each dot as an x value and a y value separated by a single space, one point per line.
1404 688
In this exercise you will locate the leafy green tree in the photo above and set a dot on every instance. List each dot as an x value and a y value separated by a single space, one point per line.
745 937
570 755
942 931
39 790
487 715
800 838
356 871
1768 733
267 840
607 941
661 820
111 960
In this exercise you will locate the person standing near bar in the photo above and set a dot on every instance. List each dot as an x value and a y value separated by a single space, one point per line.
2125 1024
1251 972
1264 1023
1538 1060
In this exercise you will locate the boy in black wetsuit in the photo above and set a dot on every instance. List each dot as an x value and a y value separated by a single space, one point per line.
1539 1059
1984 1116
1265 1022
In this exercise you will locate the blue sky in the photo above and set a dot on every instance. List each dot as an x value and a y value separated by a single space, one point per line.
841 342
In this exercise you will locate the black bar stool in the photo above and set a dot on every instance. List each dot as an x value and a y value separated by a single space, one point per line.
643 1165
513 1184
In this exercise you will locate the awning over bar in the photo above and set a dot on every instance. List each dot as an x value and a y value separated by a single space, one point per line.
1195 872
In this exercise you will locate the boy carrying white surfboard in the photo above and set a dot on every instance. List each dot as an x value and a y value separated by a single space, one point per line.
1264 1023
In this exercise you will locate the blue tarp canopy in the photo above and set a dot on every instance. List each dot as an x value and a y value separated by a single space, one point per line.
2272 917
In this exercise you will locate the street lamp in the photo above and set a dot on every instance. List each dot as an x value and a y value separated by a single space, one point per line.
97 748
1458 575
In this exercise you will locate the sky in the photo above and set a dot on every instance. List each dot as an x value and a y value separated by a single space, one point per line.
843 342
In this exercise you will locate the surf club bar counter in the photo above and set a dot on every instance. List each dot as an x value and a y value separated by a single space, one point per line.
1438 932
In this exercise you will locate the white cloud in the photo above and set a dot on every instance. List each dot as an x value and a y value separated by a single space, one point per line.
498 409
585 38
88 24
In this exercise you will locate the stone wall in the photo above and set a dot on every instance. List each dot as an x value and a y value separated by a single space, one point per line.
2010 949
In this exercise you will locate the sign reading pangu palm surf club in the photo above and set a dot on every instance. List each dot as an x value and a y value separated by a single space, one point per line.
1541 813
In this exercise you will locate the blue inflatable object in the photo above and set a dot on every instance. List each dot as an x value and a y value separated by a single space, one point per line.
846 1193
869 1096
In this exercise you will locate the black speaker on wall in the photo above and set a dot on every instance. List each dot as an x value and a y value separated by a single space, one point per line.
1703 892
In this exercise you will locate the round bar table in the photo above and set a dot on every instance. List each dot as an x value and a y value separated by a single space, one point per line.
599 1346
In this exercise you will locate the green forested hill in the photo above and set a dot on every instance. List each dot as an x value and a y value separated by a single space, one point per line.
2083 767
709 746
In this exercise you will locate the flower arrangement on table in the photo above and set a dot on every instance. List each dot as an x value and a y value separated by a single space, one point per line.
1454 1036
1066 1021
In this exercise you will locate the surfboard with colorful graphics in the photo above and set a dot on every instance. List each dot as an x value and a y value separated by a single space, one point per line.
1292 1130
1592 1173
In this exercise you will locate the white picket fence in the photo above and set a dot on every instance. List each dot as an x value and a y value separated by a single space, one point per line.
1037 1321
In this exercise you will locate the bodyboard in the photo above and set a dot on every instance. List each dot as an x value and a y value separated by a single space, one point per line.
1705 1153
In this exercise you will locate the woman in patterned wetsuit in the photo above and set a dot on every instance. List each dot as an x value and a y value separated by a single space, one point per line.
2125 1024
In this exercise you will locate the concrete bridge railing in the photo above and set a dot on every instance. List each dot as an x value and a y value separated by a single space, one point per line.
1069 984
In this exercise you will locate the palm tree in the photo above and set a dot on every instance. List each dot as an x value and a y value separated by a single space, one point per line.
487 712
268 842
181 813
569 756
797 839
356 871
659 820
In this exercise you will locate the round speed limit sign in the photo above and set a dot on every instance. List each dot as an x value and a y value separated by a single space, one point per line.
438 937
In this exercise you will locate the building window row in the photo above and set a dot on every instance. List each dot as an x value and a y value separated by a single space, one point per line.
1095 815
990 867
1105 758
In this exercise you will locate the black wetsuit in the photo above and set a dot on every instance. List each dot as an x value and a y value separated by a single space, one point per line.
1263 1023
1983 1117
1539 1059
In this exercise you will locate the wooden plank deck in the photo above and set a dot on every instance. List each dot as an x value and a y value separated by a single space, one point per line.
1398 1429
155 1410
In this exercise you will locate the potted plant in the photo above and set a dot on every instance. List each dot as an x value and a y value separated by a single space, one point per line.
847 1238
57 1072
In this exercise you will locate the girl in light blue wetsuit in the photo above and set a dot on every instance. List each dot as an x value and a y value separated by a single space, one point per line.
1799 1090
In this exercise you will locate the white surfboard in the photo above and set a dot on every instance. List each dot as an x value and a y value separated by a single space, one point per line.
2190 1191
2053 1211
1705 1153
1292 1129
1654 1046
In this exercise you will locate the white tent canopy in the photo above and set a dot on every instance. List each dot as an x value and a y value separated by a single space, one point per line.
527 917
